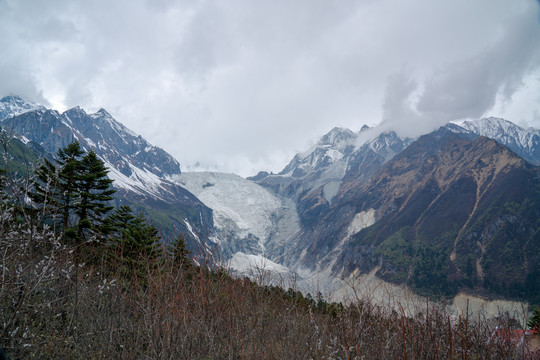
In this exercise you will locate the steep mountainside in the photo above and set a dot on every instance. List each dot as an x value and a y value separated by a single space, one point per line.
312 180
18 158
322 165
112 141
138 168
447 212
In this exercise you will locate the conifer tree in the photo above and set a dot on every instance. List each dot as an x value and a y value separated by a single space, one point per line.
179 253
136 242
69 162
534 321
118 221
95 192
75 192
46 192
140 240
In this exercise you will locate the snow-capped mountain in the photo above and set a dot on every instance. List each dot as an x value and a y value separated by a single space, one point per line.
13 105
329 150
140 170
524 142
339 152
449 196
111 140
310 183
135 164
451 204
350 186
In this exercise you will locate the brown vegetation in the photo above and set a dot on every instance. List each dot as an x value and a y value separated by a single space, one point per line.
51 308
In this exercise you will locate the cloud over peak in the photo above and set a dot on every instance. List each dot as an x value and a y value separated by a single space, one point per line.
245 84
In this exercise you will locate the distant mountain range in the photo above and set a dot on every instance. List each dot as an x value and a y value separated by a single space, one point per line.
139 169
453 210
448 211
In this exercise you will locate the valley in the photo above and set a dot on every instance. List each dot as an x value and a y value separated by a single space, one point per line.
433 215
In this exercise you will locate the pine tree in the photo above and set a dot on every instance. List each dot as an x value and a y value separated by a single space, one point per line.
47 192
136 243
140 240
118 221
179 253
75 192
69 162
95 193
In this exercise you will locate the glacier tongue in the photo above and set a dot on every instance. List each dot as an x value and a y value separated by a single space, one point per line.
241 208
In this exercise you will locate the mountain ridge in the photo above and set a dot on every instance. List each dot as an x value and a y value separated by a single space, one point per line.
140 170
440 208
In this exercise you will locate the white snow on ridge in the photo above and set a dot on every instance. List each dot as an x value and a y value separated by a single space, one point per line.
141 181
500 129
232 198
525 142
117 126
148 179
120 180
190 229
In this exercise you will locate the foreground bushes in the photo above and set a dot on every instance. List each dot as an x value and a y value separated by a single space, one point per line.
54 305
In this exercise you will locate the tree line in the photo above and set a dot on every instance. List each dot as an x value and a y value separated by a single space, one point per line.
73 196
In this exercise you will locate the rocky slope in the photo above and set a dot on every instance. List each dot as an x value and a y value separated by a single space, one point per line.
313 179
441 214
448 212
451 210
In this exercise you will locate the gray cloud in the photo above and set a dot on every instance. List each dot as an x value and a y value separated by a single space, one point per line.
243 85
469 86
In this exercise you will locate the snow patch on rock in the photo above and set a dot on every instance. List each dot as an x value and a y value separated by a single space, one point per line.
190 229
245 263
361 221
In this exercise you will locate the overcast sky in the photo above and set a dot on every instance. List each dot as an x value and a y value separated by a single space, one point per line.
243 85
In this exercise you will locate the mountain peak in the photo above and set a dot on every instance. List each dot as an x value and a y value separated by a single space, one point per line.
103 112
12 99
337 136
76 110
13 105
